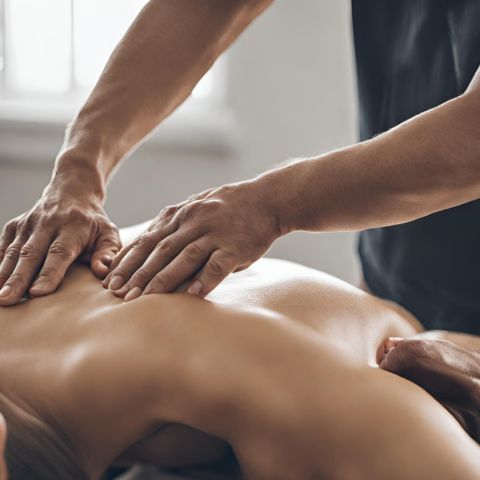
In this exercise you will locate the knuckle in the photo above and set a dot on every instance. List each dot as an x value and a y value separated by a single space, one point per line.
78 215
165 245
144 240
225 189
169 210
193 252
161 282
12 252
61 250
29 252
216 268
212 205
141 276
191 210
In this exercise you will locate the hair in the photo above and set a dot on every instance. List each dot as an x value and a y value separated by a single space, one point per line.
35 449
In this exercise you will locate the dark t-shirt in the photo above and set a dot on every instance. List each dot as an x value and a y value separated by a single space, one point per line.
413 55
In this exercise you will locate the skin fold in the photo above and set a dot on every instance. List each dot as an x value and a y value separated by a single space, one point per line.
279 364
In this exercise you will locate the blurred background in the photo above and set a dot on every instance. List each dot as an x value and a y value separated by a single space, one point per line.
286 89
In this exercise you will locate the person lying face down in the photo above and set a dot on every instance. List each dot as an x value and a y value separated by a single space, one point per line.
437 372
277 366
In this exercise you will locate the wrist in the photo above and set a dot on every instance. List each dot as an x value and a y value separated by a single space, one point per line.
77 173
279 199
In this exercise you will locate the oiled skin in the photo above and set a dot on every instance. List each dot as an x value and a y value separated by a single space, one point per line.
278 362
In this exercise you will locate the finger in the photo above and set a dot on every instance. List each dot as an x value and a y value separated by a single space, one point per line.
386 347
391 343
30 258
166 250
440 367
141 250
115 262
6 238
181 268
123 253
162 220
9 263
218 267
61 254
107 246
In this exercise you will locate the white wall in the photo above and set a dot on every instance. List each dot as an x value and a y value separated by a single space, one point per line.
291 90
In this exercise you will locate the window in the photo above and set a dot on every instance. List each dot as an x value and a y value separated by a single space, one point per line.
54 50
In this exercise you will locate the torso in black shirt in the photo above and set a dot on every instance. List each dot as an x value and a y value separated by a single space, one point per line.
413 55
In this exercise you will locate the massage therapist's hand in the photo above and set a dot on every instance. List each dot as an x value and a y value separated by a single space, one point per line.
41 244
200 241
447 370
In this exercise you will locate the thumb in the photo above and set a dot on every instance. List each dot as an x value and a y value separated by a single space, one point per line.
107 246
386 347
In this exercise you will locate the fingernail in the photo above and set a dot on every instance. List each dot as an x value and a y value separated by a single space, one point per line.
195 288
6 291
116 283
133 294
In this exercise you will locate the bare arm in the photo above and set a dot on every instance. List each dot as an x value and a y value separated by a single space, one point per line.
427 164
166 51
169 47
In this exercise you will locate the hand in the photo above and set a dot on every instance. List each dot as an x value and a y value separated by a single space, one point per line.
42 243
200 241
449 372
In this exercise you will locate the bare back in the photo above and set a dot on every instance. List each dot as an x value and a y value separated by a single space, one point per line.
44 340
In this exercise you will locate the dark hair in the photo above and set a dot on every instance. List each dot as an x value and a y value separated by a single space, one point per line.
36 450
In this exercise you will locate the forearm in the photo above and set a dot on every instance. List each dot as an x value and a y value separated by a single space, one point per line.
169 47
427 164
